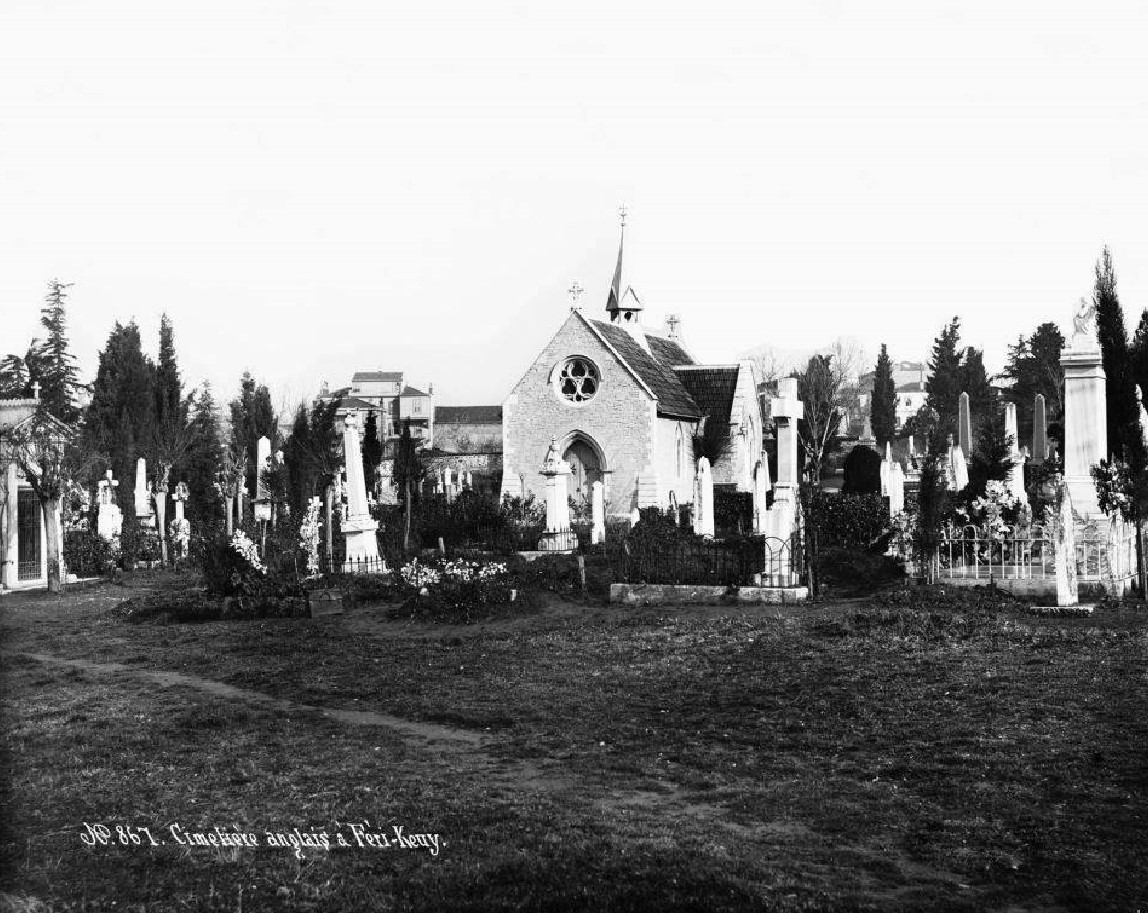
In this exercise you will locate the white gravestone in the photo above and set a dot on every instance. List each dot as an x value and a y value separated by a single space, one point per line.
704 499
143 494
1040 430
897 490
965 426
960 469
760 497
1015 480
110 519
597 513
180 527
358 527
1067 593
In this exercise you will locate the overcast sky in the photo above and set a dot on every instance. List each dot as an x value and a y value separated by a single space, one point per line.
309 188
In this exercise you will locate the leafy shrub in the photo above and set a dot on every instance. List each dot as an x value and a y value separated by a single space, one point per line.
227 573
854 571
458 590
733 511
850 521
862 472
88 554
198 605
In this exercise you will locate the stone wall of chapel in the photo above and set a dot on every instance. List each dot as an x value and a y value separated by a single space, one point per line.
618 419
736 466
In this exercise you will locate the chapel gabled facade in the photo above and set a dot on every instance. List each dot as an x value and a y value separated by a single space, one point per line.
624 406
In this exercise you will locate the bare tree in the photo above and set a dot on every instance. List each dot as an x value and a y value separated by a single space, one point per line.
821 388
171 439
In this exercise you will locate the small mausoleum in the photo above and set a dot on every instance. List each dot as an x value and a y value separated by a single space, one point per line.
624 405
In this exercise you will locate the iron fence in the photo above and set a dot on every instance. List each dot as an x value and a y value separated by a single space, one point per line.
751 561
1104 552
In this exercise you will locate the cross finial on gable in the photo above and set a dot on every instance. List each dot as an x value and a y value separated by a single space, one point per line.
575 292
622 213
36 390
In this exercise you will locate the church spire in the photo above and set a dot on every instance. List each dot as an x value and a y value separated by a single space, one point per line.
622 303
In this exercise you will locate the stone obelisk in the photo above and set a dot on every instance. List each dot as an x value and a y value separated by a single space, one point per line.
358 527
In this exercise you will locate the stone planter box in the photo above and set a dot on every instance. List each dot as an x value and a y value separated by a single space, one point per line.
644 594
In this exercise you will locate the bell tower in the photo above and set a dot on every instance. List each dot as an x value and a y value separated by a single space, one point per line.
622 303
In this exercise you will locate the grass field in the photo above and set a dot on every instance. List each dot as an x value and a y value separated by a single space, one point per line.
930 756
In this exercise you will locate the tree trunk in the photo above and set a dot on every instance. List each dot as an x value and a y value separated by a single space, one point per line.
227 509
330 538
1140 570
407 519
56 571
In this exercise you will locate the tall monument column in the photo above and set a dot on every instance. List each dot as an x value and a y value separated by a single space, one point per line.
358 527
1085 410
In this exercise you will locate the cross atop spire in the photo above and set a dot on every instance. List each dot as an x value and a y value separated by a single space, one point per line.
622 302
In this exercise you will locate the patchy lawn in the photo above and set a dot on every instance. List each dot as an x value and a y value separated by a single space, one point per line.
581 758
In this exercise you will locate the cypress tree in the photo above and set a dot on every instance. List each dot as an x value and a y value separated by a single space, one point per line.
203 459
120 419
943 387
169 403
984 404
1123 416
1139 356
883 408
372 450
252 417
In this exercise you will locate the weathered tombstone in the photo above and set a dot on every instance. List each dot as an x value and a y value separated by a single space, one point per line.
180 527
896 490
886 468
143 495
960 469
1085 410
110 519
555 471
1015 480
1040 430
704 499
965 426
358 527
262 464
1065 552
597 513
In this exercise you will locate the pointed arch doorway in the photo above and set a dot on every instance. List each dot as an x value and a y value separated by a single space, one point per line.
586 465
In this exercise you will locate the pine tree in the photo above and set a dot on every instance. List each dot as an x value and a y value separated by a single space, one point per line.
1139 356
59 376
1034 367
991 459
984 404
883 408
943 387
1123 416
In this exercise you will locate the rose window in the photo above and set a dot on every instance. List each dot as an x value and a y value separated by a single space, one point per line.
578 380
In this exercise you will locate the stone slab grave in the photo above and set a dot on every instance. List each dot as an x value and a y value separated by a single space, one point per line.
325 602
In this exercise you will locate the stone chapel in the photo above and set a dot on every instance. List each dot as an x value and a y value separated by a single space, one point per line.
624 405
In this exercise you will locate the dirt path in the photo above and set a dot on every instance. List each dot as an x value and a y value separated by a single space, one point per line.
426 732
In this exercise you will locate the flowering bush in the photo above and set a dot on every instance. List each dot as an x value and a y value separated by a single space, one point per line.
1114 487
455 590
246 550
996 512
419 575
309 530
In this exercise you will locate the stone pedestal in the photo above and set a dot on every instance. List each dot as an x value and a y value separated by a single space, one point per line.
597 513
787 409
559 537
1085 420
704 499
965 426
358 527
